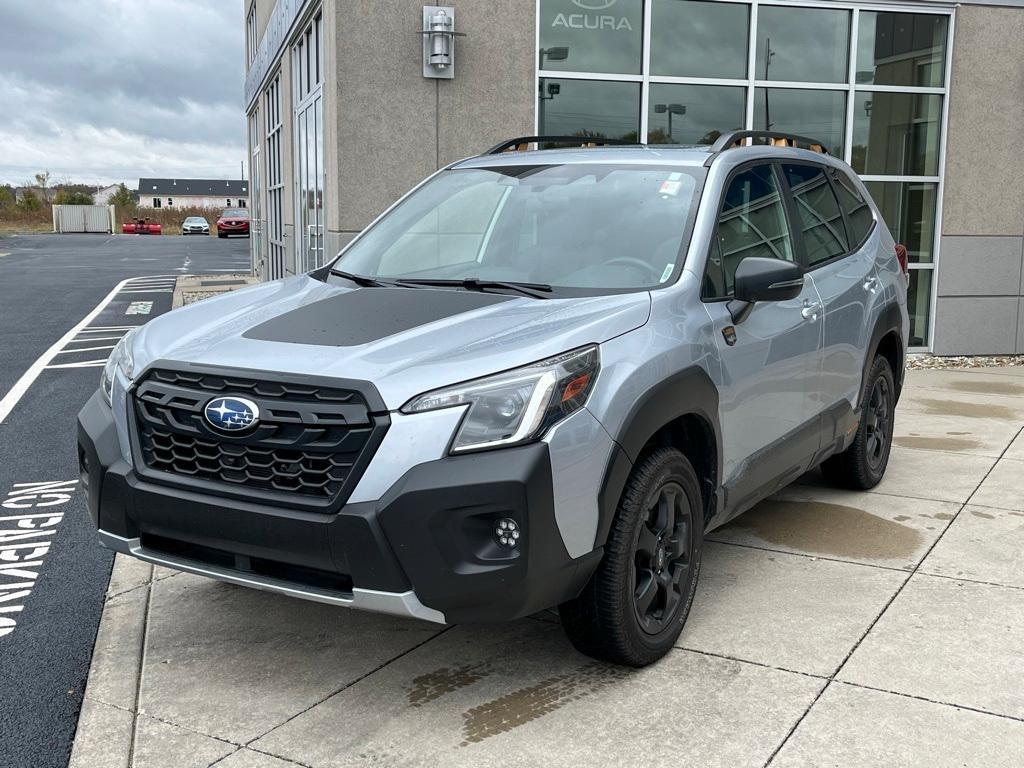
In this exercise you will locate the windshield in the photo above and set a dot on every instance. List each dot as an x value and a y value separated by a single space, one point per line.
234 213
586 226
195 220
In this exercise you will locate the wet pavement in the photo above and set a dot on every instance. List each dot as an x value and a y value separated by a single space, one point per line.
830 628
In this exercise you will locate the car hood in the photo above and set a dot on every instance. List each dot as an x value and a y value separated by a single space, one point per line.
404 340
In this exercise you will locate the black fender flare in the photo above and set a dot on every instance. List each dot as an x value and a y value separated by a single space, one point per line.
889 321
688 392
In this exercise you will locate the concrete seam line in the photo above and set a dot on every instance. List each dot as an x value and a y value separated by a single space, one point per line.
930 701
21 385
761 664
808 555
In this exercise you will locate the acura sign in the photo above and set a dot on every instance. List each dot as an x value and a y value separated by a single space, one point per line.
610 22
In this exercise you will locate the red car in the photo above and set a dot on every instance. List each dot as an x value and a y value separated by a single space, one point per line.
234 221
142 227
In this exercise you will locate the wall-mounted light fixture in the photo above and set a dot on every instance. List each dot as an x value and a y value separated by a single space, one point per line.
439 41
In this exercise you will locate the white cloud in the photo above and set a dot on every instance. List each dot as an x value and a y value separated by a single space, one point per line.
113 90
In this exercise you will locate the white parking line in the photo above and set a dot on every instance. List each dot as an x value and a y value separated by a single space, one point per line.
91 339
83 349
21 386
83 364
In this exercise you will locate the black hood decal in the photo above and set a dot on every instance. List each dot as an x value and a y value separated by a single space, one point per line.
368 314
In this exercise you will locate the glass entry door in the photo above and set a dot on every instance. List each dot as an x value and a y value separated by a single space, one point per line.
307 54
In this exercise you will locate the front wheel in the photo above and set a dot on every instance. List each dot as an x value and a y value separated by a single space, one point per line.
634 606
862 465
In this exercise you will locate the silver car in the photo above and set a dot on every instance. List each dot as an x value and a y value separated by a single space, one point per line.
538 380
195 225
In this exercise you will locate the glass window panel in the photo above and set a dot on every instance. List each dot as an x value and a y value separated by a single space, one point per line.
858 213
816 114
919 302
589 108
693 114
817 211
802 44
909 211
896 133
693 38
591 35
901 48
752 223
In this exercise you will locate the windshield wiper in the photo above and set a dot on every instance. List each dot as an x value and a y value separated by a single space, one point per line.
535 290
365 281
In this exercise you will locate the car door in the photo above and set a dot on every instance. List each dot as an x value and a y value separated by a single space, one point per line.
767 357
840 262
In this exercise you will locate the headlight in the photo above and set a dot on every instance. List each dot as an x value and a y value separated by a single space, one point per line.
519 405
121 358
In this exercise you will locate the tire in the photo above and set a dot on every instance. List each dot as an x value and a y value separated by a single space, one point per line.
221 234
616 618
862 465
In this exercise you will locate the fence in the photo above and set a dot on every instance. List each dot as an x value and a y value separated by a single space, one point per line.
83 218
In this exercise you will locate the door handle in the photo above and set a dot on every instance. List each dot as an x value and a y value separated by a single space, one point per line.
870 284
810 310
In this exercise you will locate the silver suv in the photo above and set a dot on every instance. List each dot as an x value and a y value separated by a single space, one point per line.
535 381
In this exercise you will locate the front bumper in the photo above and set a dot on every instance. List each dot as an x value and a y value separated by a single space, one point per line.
425 549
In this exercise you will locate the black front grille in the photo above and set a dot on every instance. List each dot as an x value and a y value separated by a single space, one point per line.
311 442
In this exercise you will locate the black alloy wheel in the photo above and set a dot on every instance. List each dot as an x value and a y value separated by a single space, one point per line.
878 423
662 557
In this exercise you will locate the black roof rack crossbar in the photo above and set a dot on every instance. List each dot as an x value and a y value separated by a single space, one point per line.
576 141
732 138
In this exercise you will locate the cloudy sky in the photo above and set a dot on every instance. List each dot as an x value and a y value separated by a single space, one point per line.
103 91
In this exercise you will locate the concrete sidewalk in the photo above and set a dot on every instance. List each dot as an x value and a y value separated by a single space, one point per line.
830 628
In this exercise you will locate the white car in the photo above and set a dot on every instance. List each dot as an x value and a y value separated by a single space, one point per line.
195 225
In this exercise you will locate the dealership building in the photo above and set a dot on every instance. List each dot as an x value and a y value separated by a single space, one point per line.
348 108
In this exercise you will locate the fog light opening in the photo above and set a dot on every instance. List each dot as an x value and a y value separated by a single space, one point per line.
507 533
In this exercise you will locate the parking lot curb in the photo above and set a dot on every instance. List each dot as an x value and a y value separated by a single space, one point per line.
193 288
109 710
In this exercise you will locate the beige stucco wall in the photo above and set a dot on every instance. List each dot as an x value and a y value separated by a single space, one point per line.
984 157
980 295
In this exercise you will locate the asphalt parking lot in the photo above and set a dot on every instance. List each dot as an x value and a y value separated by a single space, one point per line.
65 300
831 628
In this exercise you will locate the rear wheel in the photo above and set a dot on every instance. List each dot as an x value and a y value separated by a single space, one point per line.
636 603
862 465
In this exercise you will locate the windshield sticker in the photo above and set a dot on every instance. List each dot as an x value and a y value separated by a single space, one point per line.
675 176
670 188
667 273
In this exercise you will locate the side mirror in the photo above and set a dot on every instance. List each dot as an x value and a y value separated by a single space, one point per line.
761 279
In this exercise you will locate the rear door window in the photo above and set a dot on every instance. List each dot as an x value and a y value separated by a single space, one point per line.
817 212
858 212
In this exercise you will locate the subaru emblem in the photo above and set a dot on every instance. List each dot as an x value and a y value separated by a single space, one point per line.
231 414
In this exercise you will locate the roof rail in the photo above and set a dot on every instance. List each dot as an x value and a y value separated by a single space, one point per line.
519 143
774 138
